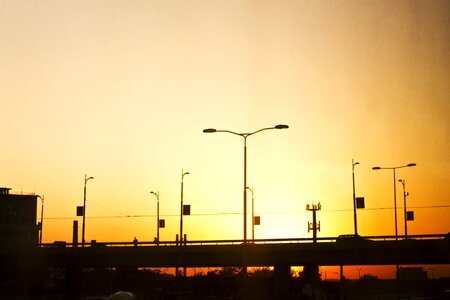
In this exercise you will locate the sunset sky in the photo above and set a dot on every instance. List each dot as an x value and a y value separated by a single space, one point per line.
121 91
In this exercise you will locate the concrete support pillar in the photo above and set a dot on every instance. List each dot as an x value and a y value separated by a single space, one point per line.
73 281
34 276
312 278
74 276
282 280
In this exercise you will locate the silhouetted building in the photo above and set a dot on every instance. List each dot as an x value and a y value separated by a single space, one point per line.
17 219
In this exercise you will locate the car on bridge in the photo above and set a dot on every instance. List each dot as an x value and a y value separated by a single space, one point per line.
59 244
351 239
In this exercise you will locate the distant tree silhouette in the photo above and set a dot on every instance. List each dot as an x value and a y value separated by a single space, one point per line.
368 277
229 271
264 272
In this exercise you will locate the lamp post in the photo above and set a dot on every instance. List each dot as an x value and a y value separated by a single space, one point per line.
86 179
181 220
157 216
354 196
42 219
245 136
404 205
181 211
395 190
253 214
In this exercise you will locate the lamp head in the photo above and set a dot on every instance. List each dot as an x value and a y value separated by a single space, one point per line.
209 130
411 165
281 126
376 168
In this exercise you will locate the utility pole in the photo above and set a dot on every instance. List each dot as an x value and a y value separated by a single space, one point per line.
311 271
314 226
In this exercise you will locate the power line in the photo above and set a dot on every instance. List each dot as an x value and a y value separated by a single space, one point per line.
108 208
239 213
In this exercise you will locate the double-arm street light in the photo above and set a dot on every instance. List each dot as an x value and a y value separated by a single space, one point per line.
86 179
157 216
395 190
245 136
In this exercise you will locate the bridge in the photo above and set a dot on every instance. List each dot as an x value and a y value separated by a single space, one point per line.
374 250
31 262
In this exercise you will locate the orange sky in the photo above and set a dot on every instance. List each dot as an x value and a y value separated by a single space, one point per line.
122 90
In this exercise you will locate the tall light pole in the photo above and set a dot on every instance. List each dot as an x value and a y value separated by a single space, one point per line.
86 179
181 211
253 213
395 190
157 216
181 220
245 136
354 196
404 205
42 219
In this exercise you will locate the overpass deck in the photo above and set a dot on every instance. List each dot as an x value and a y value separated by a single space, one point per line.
429 249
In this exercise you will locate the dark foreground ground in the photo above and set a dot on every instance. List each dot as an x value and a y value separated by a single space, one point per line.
225 283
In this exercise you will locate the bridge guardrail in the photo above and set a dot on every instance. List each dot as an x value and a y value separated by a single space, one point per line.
234 242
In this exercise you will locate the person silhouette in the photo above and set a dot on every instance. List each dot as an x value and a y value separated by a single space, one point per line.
135 242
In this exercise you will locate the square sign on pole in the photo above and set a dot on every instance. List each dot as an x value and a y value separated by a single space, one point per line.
257 220
360 202
80 211
410 216
186 210
162 223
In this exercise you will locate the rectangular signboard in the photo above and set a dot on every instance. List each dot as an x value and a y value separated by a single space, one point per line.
80 211
410 216
360 202
186 210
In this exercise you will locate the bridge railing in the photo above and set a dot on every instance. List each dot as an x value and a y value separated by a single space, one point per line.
236 242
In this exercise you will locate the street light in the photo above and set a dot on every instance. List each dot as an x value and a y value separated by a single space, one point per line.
395 190
354 197
253 213
404 205
42 219
157 216
181 211
245 135
181 220
86 179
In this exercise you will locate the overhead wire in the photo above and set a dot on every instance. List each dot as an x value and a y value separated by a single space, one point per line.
240 213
